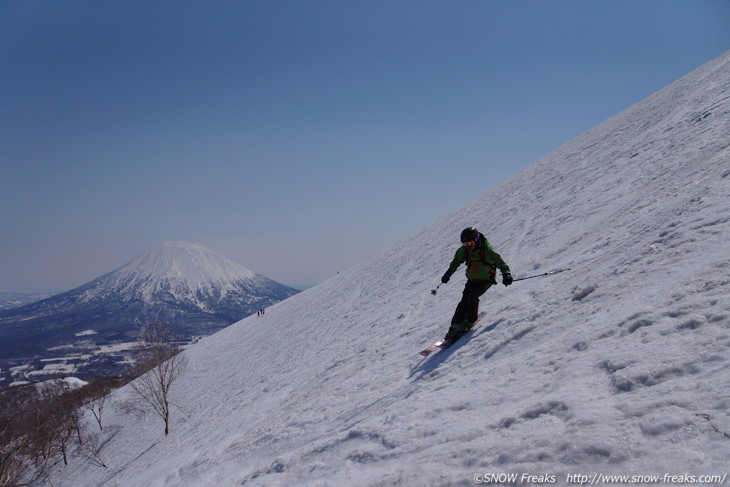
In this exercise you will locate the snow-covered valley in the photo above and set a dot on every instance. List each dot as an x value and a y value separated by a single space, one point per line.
616 367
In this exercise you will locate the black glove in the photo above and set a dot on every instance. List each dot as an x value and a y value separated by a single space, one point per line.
446 277
506 279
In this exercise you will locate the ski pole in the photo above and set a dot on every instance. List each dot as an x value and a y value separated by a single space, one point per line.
540 275
433 291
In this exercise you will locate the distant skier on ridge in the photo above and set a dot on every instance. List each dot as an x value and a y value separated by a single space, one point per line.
482 263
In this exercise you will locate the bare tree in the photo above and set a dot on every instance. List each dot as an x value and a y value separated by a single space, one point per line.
20 462
91 446
95 395
158 364
26 436
41 422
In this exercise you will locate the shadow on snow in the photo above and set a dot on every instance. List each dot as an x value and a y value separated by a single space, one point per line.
430 363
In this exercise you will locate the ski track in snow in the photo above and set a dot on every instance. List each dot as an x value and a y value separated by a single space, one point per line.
617 366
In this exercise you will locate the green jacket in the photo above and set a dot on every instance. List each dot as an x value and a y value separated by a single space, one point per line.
482 262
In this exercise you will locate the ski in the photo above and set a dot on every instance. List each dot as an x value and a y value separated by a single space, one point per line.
427 351
444 343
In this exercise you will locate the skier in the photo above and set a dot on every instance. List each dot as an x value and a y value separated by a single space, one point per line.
482 263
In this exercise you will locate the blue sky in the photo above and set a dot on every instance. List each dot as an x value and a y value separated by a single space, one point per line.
298 138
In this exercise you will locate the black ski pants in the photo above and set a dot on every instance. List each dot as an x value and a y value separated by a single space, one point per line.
468 307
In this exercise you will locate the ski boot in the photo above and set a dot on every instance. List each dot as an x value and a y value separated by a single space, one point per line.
458 330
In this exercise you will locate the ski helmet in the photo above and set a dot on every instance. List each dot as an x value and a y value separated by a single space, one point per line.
469 234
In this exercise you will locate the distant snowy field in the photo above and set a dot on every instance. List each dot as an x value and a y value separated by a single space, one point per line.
13 299
618 367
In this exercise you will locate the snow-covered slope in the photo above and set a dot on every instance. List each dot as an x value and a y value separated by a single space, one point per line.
619 366
194 289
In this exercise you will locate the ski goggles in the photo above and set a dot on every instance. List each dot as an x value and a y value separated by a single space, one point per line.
469 245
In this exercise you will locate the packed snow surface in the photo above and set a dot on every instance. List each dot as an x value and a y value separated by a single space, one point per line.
616 367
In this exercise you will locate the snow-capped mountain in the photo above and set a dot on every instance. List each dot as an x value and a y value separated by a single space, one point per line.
195 289
620 366
189 277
